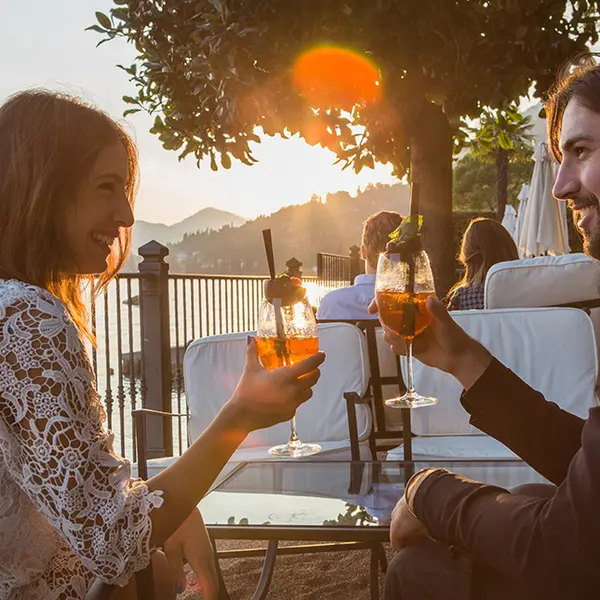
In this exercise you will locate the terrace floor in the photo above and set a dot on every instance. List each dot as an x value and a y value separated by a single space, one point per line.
327 576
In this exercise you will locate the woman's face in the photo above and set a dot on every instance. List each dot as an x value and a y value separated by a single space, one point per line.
100 210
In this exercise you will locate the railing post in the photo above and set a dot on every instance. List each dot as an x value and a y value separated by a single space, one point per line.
156 345
320 269
356 263
294 267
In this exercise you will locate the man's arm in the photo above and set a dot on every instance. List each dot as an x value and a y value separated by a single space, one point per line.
542 434
550 545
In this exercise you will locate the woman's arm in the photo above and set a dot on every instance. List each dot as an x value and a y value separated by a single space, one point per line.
54 445
261 399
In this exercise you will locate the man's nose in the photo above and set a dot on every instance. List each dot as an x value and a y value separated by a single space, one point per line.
567 184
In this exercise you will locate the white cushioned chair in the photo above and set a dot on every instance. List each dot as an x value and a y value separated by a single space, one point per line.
552 349
542 281
571 279
212 367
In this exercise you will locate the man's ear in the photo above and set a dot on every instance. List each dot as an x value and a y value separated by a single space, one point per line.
363 252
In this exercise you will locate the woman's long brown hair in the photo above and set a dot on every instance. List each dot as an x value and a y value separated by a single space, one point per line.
485 243
48 144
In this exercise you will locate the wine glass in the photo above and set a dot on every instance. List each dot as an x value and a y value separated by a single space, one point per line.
291 340
404 282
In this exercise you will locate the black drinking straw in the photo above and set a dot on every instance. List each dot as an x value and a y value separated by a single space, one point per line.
269 250
268 240
414 212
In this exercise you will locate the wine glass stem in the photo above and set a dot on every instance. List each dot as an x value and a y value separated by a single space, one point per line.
409 367
294 439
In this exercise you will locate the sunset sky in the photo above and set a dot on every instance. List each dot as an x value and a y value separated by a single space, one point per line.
43 43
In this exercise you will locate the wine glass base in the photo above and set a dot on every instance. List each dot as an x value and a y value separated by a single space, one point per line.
411 400
295 450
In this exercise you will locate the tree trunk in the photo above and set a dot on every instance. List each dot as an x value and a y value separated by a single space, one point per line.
431 167
501 182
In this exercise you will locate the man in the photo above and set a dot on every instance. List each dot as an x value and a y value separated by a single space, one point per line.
459 539
352 303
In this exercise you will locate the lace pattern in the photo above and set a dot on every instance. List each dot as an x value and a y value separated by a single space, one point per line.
69 509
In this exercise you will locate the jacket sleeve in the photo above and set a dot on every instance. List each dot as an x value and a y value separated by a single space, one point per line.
548 544
506 408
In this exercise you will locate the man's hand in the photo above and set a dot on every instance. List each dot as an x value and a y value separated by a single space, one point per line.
405 529
191 542
443 345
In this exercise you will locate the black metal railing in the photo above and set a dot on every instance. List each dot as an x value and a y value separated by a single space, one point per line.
206 305
117 361
336 270
144 323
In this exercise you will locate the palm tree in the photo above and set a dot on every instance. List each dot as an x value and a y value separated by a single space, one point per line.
503 137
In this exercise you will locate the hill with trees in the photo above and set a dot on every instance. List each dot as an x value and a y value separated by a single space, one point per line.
332 224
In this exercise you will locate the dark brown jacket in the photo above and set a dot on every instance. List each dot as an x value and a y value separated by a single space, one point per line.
550 546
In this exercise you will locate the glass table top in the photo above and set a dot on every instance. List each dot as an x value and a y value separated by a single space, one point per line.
311 493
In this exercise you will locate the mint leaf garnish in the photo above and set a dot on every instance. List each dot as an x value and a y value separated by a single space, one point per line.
409 228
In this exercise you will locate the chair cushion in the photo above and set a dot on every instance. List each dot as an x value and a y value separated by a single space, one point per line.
551 349
542 281
212 367
545 281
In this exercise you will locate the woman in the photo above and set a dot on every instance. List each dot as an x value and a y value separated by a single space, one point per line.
484 244
69 509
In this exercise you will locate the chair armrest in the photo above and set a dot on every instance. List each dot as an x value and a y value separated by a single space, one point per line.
356 399
139 420
160 413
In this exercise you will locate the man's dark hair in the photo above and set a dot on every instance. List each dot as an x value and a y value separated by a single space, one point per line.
578 79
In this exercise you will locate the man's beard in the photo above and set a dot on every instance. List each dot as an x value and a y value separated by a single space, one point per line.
591 238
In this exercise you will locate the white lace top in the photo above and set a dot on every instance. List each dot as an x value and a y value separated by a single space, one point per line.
69 509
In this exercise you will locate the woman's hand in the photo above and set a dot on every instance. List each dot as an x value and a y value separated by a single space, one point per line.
191 542
265 397
443 345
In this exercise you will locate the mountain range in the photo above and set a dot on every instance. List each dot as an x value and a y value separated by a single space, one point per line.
329 224
207 219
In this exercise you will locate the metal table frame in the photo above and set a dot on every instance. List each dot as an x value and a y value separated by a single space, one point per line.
330 538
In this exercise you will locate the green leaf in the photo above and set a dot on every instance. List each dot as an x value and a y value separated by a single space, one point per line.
130 100
213 162
120 13
409 228
96 28
226 160
504 141
131 111
103 20
132 70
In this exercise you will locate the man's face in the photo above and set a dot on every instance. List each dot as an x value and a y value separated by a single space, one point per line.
578 179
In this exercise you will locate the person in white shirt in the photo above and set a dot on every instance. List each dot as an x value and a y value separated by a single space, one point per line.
352 303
